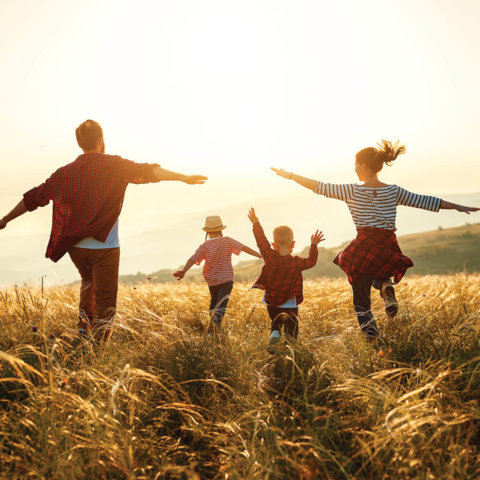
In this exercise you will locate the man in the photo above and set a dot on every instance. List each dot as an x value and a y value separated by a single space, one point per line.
87 197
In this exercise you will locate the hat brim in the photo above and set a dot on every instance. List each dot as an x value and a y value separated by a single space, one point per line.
215 229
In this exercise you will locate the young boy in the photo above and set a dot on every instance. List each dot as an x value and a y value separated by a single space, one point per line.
281 277
217 271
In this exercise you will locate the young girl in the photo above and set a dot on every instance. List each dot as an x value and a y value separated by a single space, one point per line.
218 271
374 256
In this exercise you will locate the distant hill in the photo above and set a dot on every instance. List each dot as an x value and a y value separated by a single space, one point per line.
441 251
170 239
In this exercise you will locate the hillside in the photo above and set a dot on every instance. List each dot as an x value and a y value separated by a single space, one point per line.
150 244
441 251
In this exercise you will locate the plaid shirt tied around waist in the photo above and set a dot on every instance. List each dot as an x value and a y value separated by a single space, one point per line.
374 252
87 197
281 276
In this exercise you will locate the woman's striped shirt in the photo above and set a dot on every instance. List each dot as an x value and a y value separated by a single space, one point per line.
376 207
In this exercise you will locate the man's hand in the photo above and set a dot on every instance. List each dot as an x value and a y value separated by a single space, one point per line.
282 173
195 179
179 274
317 237
3 223
252 215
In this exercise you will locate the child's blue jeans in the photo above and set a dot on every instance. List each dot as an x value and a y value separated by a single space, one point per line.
220 295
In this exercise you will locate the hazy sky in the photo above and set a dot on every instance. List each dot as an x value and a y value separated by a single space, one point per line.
228 88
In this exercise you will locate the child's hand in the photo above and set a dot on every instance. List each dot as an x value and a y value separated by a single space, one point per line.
252 215
282 173
317 237
179 274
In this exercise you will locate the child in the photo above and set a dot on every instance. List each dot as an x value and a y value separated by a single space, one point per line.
374 256
281 277
218 271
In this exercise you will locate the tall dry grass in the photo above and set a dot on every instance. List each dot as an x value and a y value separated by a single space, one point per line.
163 400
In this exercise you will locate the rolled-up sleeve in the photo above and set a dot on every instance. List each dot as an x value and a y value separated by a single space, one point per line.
133 172
41 195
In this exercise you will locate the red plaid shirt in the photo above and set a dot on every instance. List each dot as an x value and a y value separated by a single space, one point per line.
375 252
87 198
281 276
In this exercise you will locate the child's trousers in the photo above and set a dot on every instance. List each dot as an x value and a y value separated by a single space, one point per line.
220 295
286 317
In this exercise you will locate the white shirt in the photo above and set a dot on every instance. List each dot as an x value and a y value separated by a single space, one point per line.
290 303
112 240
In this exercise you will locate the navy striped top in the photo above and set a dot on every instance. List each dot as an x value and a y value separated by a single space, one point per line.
376 207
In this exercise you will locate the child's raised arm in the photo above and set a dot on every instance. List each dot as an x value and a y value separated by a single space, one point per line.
262 242
303 181
251 252
311 260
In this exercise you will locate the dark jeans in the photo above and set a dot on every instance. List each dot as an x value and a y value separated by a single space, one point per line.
220 295
362 302
286 317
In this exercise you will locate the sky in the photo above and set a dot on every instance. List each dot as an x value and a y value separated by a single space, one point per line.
229 88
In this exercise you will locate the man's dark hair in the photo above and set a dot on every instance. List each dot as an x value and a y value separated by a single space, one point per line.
88 134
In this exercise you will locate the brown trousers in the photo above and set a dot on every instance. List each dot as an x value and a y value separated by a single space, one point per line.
98 294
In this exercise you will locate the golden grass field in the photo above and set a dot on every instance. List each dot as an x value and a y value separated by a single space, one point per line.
162 400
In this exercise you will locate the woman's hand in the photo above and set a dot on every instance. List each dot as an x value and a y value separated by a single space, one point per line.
282 173
467 210
460 208
317 237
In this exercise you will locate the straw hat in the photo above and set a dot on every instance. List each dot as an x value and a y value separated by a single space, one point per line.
213 224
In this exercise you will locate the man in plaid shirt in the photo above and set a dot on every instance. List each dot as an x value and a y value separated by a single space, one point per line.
281 277
87 197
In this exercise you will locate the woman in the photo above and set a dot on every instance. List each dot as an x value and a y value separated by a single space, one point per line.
374 257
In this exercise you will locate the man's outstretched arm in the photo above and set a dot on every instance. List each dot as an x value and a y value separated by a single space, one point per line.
20 209
165 175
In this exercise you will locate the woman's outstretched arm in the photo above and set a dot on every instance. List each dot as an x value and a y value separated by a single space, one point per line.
303 181
455 206
330 190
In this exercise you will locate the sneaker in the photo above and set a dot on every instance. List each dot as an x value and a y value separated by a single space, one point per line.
274 341
387 292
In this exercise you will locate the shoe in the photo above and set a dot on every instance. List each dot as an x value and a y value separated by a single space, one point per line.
387 292
274 341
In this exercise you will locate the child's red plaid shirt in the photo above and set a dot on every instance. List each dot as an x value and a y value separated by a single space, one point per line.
281 276
87 198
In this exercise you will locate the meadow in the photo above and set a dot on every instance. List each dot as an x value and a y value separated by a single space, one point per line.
162 400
